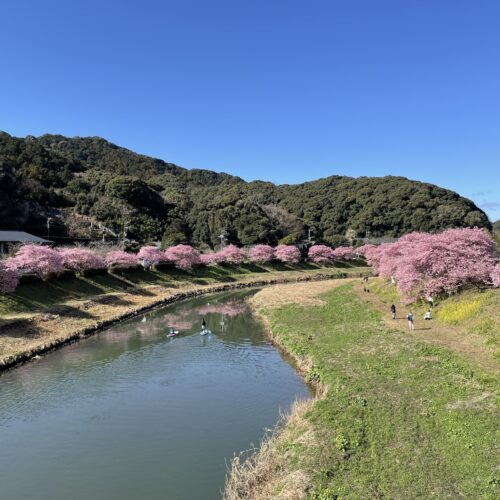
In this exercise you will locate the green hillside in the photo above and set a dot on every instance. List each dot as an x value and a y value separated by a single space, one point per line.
80 181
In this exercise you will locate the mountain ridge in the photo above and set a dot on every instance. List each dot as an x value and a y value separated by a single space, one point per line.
90 177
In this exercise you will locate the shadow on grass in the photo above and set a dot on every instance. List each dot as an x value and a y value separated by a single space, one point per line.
20 328
70 312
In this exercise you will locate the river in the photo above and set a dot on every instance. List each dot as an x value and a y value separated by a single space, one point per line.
132 414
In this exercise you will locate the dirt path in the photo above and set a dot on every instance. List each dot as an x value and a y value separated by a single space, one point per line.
455 338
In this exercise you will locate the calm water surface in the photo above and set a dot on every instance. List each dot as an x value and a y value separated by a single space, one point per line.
131 414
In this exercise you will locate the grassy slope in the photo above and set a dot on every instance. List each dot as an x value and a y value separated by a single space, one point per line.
41 315
35 295
468 322
401 419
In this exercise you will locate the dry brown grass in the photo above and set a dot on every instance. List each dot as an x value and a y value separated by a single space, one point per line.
27 333
267 473
305 294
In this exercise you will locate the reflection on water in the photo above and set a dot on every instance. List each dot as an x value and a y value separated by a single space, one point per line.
131 414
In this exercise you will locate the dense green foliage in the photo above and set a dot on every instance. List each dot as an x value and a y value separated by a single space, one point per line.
401 419
90 179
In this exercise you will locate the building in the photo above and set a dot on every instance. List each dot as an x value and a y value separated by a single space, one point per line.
10 238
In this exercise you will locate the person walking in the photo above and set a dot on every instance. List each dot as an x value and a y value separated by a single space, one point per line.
409 317
430 301
393 311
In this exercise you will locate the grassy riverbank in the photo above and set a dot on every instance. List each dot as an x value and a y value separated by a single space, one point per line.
396 417
44 314
467 323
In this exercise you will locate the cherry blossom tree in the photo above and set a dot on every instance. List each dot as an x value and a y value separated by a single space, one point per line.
9 279
321 254
119 259
287 253
43 261
261 254
81 259
495 276
427 264
230 255
151 254
183 256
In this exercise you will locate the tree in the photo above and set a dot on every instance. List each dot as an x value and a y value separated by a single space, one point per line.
230 255
321 254
287 253
43 261
428 264
152 254
121 260
81 259
183 256
261 254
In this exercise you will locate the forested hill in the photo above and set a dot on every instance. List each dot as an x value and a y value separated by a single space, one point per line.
80 181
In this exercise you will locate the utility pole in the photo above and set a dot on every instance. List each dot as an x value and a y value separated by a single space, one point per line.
222 237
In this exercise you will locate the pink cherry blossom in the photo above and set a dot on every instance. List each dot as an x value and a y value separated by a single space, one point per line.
495 276
43 261
208 258
230 255
287 253
152 254
427 264
321 254
183 256
81 259
261 254
121 260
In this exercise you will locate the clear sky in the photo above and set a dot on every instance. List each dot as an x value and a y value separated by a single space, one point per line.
280 90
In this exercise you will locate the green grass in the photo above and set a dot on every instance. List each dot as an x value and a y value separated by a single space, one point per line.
401 419
36 295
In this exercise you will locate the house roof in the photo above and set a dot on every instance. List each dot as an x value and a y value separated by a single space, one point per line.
20 237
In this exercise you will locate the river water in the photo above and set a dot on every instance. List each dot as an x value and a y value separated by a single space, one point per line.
132 414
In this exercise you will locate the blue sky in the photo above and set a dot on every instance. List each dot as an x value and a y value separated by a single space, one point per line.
280 90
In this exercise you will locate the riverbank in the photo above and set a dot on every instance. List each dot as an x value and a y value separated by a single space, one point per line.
42 316
395 418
